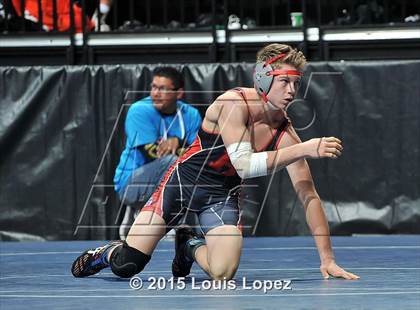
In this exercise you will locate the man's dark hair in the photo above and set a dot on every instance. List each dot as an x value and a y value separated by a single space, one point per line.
170 73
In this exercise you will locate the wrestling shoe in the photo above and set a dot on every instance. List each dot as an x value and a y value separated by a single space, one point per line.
185 245
92 261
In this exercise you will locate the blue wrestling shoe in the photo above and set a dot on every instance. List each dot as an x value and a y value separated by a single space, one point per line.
92 261
185 245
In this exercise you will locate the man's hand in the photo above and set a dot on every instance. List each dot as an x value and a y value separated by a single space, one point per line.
168 146
329 147
330 268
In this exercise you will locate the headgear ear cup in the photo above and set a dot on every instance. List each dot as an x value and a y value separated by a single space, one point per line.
262 78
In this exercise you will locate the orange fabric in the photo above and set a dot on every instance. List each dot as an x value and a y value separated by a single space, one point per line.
63 14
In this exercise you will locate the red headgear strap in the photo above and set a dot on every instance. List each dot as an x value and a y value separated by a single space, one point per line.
264 96
281 72
271 60
285 72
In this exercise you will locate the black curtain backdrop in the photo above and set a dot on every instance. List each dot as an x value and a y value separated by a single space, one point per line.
61 134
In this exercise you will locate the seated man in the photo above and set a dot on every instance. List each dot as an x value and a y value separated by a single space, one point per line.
245 134
158 128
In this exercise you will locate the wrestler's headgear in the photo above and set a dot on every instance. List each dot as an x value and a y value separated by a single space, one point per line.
264 76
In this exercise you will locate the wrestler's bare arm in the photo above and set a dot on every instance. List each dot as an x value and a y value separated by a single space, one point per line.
303 184
302 181
228 115
231 115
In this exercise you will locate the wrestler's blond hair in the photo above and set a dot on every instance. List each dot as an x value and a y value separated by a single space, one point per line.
293 56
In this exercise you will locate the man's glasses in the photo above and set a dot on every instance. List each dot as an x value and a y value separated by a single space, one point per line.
162 89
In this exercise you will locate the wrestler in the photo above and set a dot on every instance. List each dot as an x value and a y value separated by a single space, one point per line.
245 134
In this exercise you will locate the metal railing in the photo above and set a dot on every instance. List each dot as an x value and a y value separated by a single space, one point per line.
166 15
216 22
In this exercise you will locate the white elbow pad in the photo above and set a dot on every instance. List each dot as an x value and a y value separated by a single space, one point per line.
247 163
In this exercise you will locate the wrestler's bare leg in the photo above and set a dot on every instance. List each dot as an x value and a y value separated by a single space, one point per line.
220 257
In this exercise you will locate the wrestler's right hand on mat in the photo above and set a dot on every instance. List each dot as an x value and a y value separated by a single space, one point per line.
325 147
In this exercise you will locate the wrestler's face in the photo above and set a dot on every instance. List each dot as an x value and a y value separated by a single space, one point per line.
284 88
164 94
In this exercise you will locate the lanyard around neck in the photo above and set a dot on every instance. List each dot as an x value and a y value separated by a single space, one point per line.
181 125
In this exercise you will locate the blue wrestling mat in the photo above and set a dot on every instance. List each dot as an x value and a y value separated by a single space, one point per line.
275 273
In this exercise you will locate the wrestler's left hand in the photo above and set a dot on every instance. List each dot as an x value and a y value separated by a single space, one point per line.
330 268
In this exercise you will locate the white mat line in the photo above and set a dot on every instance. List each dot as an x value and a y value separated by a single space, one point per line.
379 247
92 277
187 288
38 253
391 247
253 260
214 296
347 267
239 270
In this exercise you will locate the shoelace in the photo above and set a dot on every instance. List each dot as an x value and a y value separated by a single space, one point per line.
97 250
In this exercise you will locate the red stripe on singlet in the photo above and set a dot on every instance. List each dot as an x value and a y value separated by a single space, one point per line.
155 202
273 135
281 135
242 93
192 150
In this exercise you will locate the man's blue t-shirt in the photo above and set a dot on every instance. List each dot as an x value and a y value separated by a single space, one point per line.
144 124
